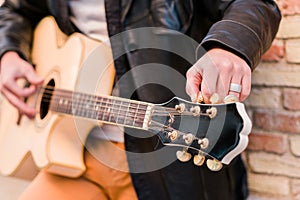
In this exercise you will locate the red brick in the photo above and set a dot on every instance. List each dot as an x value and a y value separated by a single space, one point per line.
295 183
291 100
277 121
289 7
275 53
270 142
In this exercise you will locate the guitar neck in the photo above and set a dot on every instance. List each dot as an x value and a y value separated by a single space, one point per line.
105 109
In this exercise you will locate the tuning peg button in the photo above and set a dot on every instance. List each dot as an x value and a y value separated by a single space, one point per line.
214 165
183 156
212 112
195 110
180 108
199 159
173 135
188 138
203 143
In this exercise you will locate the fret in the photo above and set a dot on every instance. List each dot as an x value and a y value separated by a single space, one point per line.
111 113
65 105
109 110
69 107
98 107
84 105
76 103
123 112
119 113
89 107
81 106
76 109
94 111
127 117
141 112
135 115
94 102
134 110
106 109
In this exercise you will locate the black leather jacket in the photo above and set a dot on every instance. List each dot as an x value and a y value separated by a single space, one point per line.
245 27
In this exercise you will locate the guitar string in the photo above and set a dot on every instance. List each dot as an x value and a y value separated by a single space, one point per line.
164 111
157 125
130 120
124 117
188 146
51 89
180 132
121 107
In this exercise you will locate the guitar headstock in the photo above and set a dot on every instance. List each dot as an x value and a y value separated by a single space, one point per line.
218 132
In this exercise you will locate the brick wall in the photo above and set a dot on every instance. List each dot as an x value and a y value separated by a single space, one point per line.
273 154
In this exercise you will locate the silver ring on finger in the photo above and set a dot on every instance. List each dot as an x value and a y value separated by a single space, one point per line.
234 87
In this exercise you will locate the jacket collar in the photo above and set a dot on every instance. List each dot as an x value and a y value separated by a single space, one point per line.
126 4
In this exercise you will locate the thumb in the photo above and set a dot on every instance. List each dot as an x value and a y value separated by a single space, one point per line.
32 76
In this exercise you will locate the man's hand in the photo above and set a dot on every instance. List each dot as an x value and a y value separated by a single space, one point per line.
12 69
214 72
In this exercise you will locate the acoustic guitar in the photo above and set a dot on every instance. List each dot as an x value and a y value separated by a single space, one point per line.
216 133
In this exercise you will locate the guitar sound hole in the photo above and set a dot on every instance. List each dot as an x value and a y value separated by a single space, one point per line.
46 99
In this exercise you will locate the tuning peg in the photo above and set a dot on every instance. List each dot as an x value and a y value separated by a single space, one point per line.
188 138
231 98
203 143
199 159
180 108
195 110
214 165
215 98
183 155
173 135
212 112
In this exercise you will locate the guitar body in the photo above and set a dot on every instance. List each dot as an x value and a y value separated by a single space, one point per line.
52 141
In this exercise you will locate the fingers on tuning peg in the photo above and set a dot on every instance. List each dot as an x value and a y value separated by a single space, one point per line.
183 155
214 165
200 98
215 98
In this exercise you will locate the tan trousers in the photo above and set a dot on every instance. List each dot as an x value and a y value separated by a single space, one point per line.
101 181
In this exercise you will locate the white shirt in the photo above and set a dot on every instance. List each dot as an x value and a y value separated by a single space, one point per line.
89 17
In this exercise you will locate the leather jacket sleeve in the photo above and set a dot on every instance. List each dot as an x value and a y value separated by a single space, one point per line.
17 21
247 28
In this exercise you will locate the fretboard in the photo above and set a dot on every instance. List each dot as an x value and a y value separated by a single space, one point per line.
107 109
